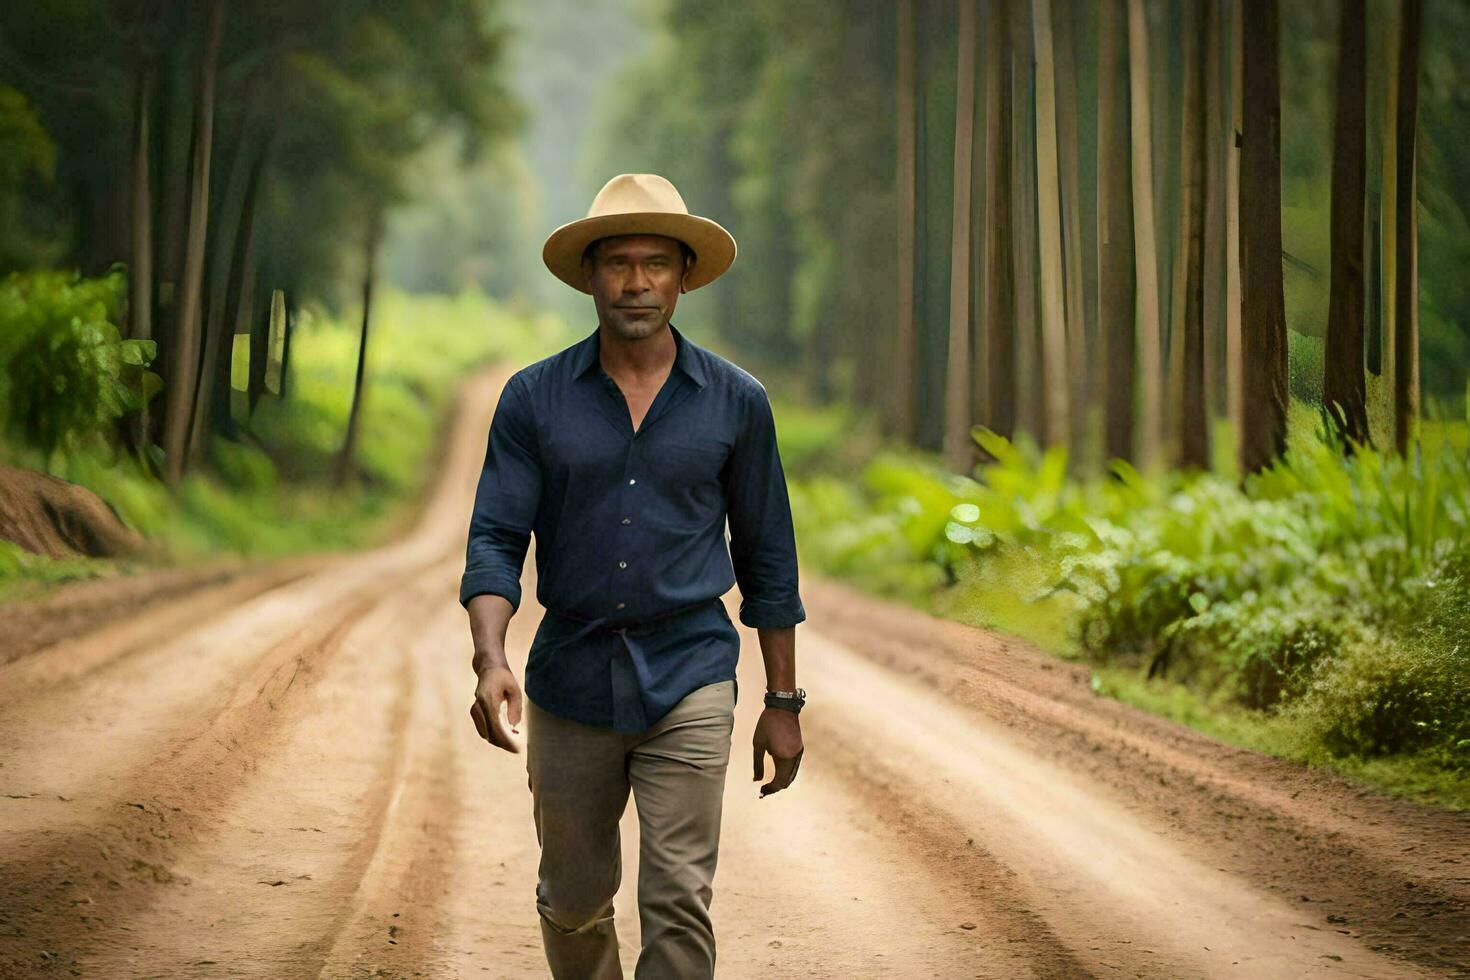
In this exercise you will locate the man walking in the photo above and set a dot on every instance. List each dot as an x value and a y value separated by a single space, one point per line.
625 454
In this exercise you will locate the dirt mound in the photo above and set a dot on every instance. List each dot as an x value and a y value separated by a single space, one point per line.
51 516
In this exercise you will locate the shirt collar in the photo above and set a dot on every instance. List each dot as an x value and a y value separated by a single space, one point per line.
685 360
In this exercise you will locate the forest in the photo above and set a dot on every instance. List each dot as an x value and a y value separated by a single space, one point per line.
1137 329
1018 238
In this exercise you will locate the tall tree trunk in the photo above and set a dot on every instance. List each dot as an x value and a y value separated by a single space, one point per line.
291 313
249 310
222 309
980 377
1406 236
1031 407
1376 83
1069 166
959 448
169 215
1000 297
864 40
1115 250
1216 132
1373 281
186 344
241 266
1263 322
1344 391
1174 215
346 458
902 409
1194 416
925 382
1146 257
1084 81
1390 204
1162 37
1234 365
1053 302
140 269
262 323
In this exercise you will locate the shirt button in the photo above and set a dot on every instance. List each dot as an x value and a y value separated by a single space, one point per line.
627 521
622 564
632 480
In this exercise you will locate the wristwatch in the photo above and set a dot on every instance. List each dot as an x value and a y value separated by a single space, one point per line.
786 700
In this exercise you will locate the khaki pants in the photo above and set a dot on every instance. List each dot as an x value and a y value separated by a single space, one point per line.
579 777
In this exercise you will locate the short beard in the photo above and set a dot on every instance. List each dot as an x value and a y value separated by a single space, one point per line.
637 329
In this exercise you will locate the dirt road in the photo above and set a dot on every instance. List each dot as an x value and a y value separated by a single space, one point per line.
275 775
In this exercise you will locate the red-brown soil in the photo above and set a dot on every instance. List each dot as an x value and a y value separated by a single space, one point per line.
275 775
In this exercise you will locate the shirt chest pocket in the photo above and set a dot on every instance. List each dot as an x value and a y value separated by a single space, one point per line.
688 476
695 462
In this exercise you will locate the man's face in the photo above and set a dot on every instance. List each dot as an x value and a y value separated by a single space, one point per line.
635 281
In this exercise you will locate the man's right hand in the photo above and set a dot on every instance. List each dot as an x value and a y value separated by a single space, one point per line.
497 686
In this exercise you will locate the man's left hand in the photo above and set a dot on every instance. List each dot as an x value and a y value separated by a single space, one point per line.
778 732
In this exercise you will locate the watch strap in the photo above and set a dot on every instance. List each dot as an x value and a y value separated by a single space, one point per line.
786 700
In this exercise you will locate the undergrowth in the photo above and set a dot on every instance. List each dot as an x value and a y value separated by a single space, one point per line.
1319 610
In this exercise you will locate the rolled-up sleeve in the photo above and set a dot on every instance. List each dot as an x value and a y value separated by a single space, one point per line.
506 500
762 537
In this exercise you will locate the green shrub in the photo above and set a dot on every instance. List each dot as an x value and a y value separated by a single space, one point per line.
69 374
1388 697
1407 690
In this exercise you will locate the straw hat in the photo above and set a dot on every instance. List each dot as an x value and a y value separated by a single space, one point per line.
640 204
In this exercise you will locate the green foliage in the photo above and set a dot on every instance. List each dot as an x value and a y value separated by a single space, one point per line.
1409 689
69 374
345 94
1390 697
1329 593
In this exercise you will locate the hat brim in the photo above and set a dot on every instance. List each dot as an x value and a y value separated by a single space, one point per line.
713 246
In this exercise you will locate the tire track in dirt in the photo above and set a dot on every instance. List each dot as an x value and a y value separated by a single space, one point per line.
1001 912
841 876
267 890
76 658
202 761
83 829
1392 874
393 926
100 829
30 624
1107 883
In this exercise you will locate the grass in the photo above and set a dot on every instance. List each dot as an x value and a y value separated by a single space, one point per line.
1417 776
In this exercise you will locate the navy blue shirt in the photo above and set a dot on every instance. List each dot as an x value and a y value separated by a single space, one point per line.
631 548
